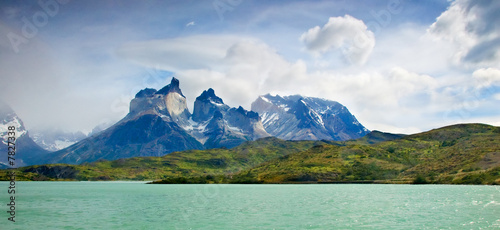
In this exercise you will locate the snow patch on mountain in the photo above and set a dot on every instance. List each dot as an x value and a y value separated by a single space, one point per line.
9 118
4 128
297 117
269 117
54 140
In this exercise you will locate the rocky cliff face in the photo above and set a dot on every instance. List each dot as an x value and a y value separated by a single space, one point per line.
307 118
216 125
206 105
168 102
159 123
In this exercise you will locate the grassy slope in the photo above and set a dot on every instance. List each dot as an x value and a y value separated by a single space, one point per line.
178 164
455 154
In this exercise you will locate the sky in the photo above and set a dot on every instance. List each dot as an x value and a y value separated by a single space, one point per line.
399 66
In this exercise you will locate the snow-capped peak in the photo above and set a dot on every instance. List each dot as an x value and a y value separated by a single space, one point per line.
4 128
53 140
9 118
297 117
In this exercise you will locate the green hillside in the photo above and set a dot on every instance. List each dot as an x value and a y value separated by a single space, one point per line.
462 154
192 163
459 154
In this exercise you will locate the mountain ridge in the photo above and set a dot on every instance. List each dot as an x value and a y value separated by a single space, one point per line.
159 123
296 117
465 154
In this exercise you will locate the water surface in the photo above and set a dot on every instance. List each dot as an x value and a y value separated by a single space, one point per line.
134 205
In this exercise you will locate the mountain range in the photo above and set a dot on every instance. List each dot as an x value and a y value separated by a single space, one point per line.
457 154
289 139
54 140
159 123
307 118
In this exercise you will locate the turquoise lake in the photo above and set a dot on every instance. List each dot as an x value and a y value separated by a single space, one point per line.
135 205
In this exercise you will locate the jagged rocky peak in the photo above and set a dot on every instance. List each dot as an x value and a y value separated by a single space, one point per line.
246 120
9 118
172 87
236 126
206 104
7 114
209 96
147 92
249 114
168 101
27 151
268 102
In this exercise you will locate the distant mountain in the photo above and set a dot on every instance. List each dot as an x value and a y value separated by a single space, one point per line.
307 118
27 151
53 140
217 125
458 154
159 123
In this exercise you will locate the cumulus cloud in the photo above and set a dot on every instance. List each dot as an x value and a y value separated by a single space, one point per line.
394 99
238 68
379 90
347 33
486 77
389 98
473 27
82 64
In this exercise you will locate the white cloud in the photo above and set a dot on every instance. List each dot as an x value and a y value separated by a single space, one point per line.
406 83
486 77
497 97
392 99
347 33
473 27
238 68
194 52
64 85
409 47
382 99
